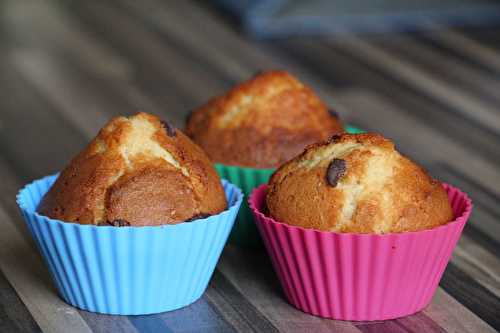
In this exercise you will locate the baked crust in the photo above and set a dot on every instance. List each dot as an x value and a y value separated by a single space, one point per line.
262 122
137 171
377 191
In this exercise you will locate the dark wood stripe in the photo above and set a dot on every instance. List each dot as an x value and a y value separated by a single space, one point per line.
199 316
173 40
419 322
416 323
472 295
488 36
432 111
14 316
240 304
427 39
453 72
330 62
485 218
480 237
386 327
41 142
156 63
251 273
150 324
100 323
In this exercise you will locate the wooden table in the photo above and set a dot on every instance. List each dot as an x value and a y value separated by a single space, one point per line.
65 69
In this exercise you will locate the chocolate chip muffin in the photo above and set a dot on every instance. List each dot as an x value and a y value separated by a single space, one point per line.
138 171
356 183
262 122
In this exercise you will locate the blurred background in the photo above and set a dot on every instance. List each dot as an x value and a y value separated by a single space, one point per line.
424 73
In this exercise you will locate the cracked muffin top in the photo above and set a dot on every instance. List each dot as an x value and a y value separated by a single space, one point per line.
137 171
356 183
262 122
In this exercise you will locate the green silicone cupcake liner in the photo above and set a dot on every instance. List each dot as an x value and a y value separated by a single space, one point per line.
245 232
353 130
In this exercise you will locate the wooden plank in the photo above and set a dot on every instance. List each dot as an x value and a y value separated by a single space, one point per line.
222 287
73 69
448 313
416 323
483 54
174 25
454 71
100 323
41 142
14 316
486 212
29 277
479 263
328 61
472 295
44 25
71 99
462 101
201 316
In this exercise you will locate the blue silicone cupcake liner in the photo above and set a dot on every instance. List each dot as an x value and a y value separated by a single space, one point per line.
128 270
245 232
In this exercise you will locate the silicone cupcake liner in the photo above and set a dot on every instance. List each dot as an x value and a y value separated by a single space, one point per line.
128 270
244 232
353 130
360 276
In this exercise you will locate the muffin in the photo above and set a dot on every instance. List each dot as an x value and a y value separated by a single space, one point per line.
261 123
358 184
125 251
138 171
356 231
256 126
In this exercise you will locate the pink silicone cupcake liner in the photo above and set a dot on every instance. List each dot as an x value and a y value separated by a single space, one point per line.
360 276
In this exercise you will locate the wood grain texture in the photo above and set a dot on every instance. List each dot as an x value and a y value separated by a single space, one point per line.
251 273
24 269
482 53
67 67
445 312
472 294
428 83
14 316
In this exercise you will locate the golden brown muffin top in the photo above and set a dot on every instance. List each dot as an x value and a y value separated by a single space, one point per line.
356 183
262 122
137 171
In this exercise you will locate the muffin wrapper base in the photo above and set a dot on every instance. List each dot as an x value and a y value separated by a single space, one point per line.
244 232
128 270
360 276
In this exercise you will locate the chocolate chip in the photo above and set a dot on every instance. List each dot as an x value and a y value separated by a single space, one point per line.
334 138
335 171
119 223
197 217
168 128
333 113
